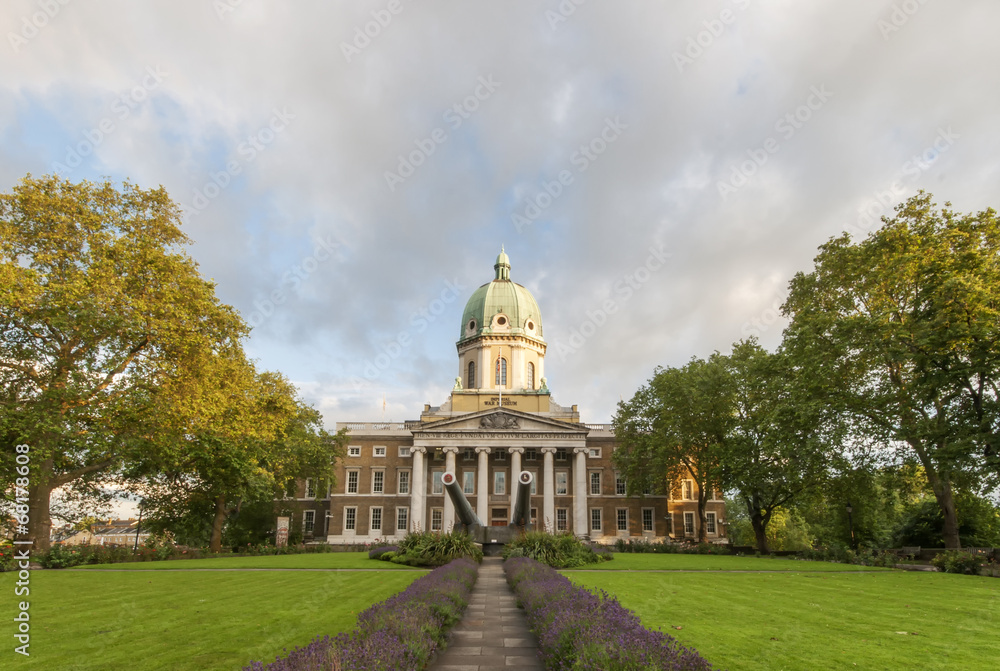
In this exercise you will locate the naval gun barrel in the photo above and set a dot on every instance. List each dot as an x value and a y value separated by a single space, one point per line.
463 510
522 502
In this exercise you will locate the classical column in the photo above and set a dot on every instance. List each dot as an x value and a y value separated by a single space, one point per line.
448 522
548 490
483 487
418 491
515 470
580 491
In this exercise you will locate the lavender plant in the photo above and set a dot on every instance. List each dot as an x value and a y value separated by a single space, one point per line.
581 631
398 634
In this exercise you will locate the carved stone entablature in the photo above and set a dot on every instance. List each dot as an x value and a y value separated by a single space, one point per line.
499 420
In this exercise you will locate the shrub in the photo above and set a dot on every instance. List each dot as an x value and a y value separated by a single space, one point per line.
62 556
436 549
399 634
863 556
669 547
957 561
578 629
7 561
556 550
381 552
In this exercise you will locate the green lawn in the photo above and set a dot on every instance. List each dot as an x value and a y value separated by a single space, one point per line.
817 621
186 620
627 561
321 560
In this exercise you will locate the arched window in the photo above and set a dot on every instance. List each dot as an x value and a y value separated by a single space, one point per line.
531 375
470 383
501 376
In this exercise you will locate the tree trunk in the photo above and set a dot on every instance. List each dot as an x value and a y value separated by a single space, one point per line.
941 486
759 524
220 519
702 531
39 522
946 501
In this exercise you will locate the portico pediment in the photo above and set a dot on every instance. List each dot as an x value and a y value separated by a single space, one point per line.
506 426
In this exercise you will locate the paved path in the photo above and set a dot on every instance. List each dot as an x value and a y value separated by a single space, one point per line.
493 634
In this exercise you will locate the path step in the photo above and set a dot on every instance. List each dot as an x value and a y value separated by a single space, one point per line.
493 633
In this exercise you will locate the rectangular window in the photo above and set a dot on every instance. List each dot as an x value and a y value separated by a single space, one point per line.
436 519
352 482
647 519
469 454
354 451
621 519
437 487
689 524
688 489
562 519
499 482
469 482
595 519
350 518
500 455
309 521
595 483
710 523
534 483
378 482
562 483
534 516
595 453
530 454
376 524
310 488
619 485
402 518
404 482
404 452
560 454
379 451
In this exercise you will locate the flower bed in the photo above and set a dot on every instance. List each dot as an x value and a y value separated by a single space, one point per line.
580 630
398 634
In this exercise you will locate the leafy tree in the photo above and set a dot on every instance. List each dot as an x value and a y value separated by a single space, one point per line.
673 427
899 332
259 437
104 323
776 446
922 523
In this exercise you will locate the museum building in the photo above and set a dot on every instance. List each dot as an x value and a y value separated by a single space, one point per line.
499 420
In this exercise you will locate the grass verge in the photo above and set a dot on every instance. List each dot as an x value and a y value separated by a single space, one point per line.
818 620
190 620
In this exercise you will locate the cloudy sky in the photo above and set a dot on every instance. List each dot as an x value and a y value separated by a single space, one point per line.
657 171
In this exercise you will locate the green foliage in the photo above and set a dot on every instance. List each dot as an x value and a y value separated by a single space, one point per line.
673 427
427 548
957 561
642 546
897 333
106 325
922 523
555 550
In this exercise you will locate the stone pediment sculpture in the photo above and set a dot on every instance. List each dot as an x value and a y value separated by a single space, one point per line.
499 420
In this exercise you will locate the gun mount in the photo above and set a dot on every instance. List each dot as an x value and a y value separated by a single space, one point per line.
492 538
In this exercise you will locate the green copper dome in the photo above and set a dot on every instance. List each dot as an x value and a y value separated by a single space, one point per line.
502 307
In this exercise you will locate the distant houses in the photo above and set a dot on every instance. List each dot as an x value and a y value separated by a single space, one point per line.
110 532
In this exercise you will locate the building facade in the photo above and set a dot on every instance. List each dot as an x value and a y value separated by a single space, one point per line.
499 420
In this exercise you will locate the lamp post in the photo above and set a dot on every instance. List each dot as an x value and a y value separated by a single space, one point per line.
850 524
138 526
